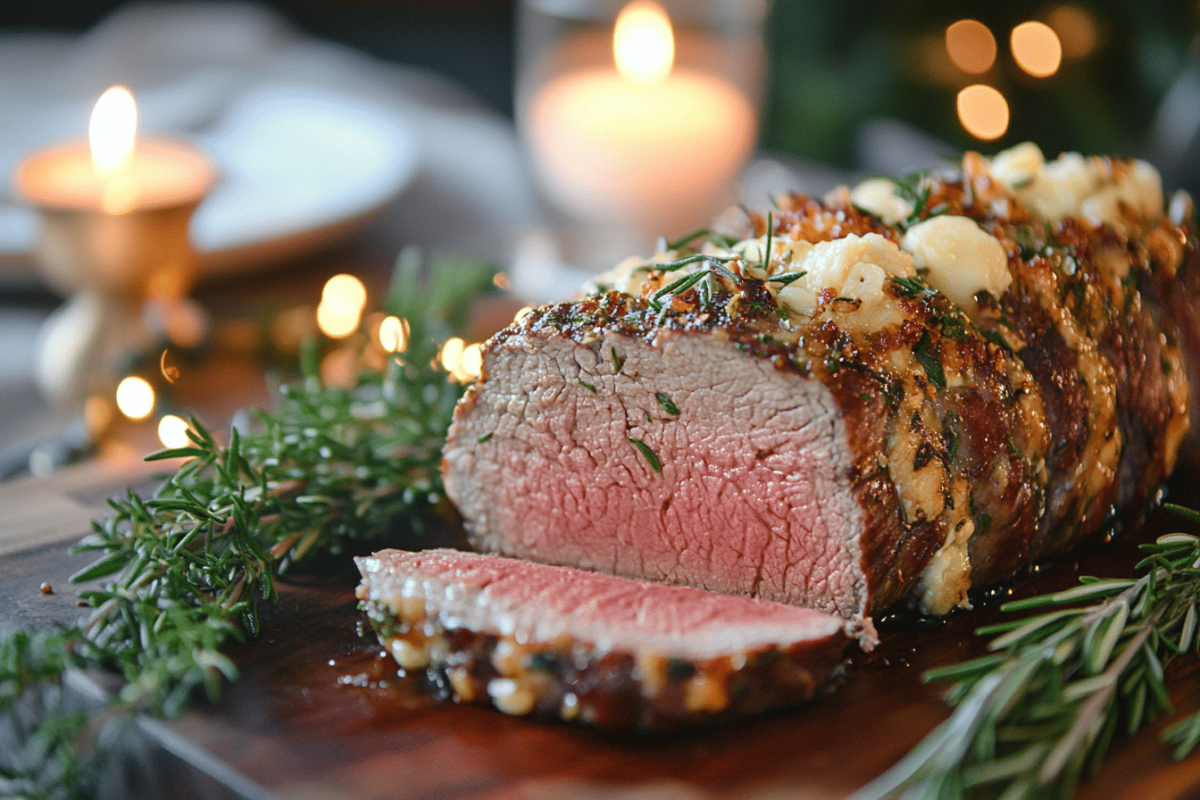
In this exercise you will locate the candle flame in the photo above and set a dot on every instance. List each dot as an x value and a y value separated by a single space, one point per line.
111 130
643 43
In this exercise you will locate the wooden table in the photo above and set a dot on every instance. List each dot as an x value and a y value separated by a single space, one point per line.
317 713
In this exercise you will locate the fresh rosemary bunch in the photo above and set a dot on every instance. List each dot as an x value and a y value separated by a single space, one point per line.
1038 713
42 760
182 572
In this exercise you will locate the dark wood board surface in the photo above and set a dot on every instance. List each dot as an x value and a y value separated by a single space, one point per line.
317 713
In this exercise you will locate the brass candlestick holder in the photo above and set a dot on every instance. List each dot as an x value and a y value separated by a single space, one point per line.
118 247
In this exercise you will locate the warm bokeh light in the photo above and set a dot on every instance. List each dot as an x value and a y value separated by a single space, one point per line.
393 334
971 46
643 43
166 365
471 363
185 323
336 323
1036 49
1076 29
289 328
464 362
342 302
97 414
173 431
112 129
135 397
345 291
451 355
339 367
983 111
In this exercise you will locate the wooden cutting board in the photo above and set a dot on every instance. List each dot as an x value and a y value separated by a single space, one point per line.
318 714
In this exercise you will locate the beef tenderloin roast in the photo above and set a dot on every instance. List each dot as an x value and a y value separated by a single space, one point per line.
849 406
739 451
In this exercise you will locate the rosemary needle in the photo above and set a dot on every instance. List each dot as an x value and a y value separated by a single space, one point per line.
1037 715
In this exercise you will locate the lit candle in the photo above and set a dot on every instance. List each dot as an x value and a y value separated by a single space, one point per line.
113 171
114 212
640 141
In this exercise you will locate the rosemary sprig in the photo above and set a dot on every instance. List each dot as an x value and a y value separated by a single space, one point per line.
183 571
668 405
41 759
910 288
680 263
684 240
703 279
1037 714
915 188
787 278
688 240
677 286
766 261
928 358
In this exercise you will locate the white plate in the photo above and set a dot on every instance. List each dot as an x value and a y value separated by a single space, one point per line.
299 169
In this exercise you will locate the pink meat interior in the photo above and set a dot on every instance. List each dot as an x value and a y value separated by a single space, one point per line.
541 602
748 491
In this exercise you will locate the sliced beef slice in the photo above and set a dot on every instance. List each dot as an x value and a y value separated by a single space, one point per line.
593 648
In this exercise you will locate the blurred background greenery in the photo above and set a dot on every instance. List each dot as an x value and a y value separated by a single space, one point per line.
837 64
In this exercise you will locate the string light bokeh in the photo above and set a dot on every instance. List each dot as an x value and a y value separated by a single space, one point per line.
463 361
1036 48
971 46
1077 30
1085 75
349 339
983 110
393 335
342 302
173 431
135 398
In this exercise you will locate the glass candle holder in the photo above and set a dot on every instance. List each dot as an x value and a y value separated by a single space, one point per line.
637 117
